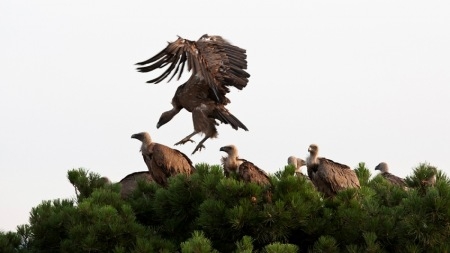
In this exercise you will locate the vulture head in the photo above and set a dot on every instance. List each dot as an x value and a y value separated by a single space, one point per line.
232 161
204 37
164 118
231 150
207 37
430 181
313 150
383 167
105 180
296 162
144 137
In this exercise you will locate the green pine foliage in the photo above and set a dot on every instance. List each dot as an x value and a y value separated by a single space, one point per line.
245 245
363 174
277 247
10 242
207 212
325 244
85 182
198 243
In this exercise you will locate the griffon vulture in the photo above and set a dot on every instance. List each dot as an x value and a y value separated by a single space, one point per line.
162 161
393 179
245 170
431 180
328 176
215 65
129 183
297 163
106 180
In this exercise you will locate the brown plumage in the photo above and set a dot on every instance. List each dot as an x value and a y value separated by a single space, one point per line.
431 180
106 180
297 163
393 179
246 171
328 176
129 183
215 65
162 161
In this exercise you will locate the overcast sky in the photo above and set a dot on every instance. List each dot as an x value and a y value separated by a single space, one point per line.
368 81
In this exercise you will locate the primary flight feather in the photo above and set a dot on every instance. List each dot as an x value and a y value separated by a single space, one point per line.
215 65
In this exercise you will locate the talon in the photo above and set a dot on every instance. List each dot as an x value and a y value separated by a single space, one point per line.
199 148
183 141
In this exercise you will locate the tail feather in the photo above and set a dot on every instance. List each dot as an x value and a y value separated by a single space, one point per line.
228 118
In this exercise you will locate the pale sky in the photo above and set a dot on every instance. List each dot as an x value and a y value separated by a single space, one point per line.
368 81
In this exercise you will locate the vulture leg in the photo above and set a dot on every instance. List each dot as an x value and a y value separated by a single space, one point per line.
186 139
200 145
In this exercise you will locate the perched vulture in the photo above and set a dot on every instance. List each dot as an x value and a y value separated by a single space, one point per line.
129 183
393 179
162 161
106 180
328 176
297 163
245 170
431 180
215 65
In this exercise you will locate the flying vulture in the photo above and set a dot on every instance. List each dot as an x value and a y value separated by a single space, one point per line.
162 161
215 66
129 183
245 170
393 179
297 163
328 176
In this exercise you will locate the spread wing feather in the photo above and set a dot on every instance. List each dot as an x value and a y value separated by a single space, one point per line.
226 117
212 58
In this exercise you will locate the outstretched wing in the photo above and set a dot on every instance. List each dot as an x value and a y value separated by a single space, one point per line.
226 62
211 58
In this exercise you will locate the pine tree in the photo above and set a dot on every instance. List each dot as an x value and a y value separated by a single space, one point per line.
207 212
197 244
10 242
